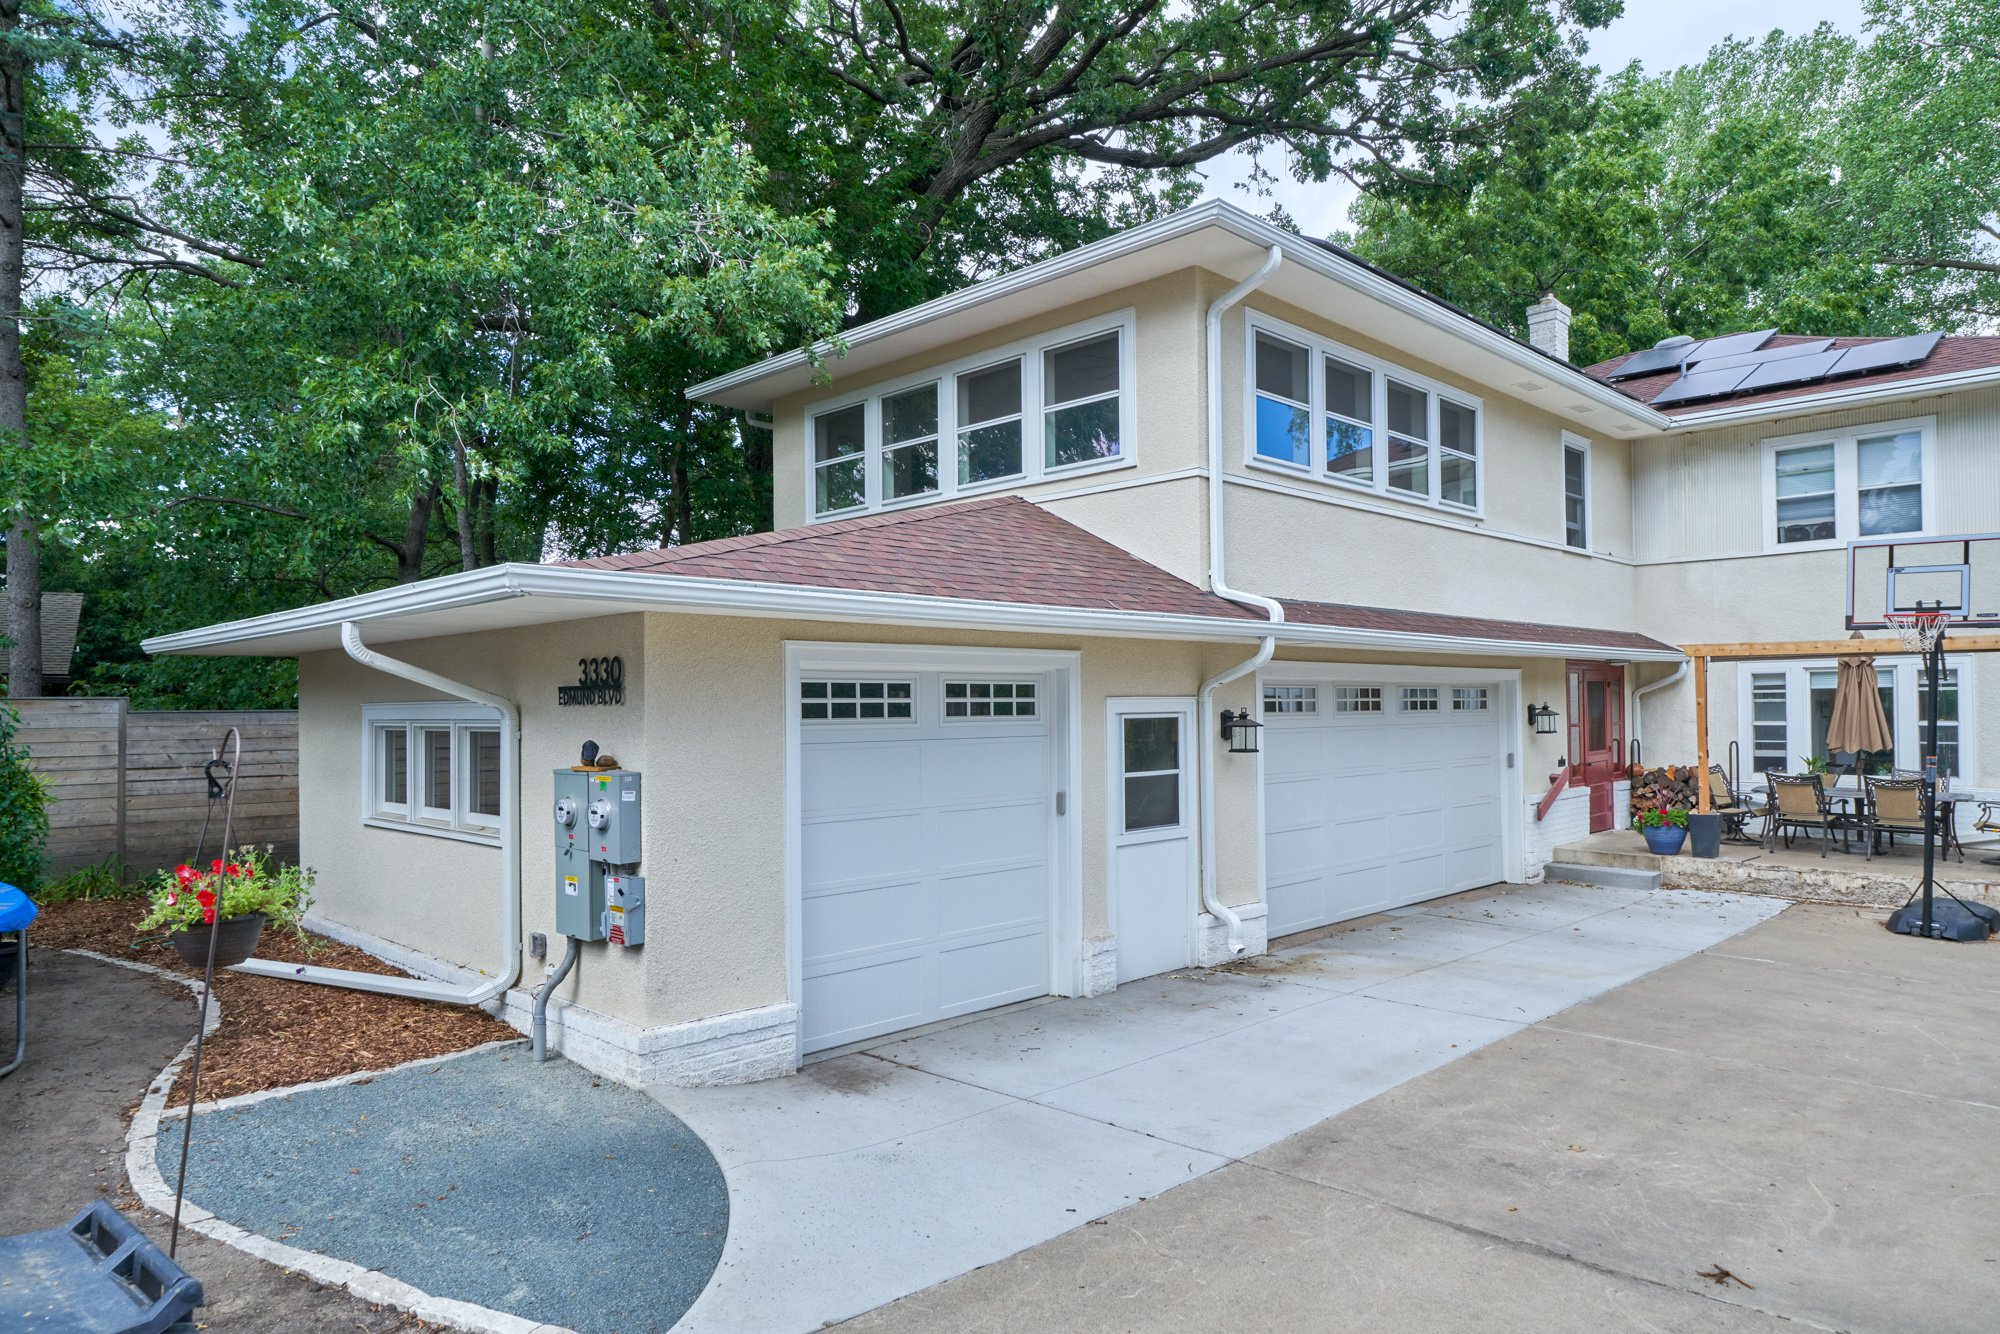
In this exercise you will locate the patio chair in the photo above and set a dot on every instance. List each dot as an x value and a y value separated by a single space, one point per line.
1736 809
1895 806
1988 822
1799 801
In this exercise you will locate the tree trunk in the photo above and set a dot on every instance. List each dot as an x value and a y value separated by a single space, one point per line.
488 492
24 559
468 544
416 532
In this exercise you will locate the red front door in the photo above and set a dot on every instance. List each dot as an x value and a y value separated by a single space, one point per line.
1597 734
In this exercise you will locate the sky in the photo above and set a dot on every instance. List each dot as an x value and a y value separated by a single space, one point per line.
1660 34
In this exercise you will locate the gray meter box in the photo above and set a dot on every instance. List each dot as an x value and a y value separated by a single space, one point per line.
611 816
579 880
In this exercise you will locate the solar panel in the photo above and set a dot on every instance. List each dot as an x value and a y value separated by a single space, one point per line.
1797 370
1767 354
1652 361
1703 384
1881 356
1730 344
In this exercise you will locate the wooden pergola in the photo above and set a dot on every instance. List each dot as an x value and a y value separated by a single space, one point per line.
1700 655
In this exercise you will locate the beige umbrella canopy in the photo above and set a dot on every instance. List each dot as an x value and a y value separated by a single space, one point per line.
1858 723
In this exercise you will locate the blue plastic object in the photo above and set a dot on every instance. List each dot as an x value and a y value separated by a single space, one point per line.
16 909
97 1274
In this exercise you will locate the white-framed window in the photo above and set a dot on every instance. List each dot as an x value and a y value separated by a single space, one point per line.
1785 709
1051 406
433 768
1420 699
1151 769
825 701
1470 699
1827 489
989 699
1291 700
1576 492
1330 412
1357 699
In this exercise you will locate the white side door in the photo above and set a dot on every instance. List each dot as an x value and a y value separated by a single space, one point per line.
1149 755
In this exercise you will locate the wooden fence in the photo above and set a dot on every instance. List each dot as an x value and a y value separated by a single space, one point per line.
129 784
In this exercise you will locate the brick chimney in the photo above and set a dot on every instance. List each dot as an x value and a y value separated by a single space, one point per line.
1548 326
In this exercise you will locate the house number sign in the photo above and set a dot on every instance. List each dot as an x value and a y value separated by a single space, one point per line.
598 681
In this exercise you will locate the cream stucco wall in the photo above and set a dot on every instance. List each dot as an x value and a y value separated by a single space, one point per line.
441 895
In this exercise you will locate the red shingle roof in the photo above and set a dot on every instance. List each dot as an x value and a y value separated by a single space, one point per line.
1466 627
1008 550
1953 354
999 550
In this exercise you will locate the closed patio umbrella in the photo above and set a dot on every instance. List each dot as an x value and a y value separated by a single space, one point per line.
1858 723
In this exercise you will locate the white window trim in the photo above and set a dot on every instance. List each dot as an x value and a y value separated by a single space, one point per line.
459 821
1846 482
1315 467
1909 680
1576 444
1033 410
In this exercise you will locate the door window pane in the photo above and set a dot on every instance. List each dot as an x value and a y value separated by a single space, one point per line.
1152 773
1821 684
989 414
1596 716
1767 723
1284 418
1947 741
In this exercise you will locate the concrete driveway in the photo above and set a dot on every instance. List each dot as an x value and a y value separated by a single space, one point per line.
1793 1129
875 1175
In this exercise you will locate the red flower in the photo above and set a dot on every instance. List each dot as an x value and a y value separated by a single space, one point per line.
183 873
207 915
215 867
234 869
206 898
172 898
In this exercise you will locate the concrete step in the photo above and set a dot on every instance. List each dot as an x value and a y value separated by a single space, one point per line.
1615 877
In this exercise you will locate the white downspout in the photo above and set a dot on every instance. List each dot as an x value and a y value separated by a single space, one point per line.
510 852
1211 899
1638 714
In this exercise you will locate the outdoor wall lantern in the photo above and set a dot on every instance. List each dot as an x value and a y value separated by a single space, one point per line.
1240 731
1543 719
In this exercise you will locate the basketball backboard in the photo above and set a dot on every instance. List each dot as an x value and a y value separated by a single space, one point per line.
1960 575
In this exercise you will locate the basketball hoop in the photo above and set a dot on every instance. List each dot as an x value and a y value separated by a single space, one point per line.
1919 630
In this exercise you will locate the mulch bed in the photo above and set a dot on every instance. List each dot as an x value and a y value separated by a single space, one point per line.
274 1032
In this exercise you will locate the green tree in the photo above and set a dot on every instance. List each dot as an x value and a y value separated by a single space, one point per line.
24 815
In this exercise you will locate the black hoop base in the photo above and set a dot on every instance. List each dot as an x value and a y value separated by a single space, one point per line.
1951 919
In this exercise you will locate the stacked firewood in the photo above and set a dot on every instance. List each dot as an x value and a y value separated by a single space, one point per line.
1660 789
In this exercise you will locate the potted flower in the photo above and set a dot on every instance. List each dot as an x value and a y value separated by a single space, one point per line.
246 892
1665 828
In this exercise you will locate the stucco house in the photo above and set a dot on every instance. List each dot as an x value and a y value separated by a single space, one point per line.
951 736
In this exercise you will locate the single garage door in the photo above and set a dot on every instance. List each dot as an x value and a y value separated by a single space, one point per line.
1377 796
924 849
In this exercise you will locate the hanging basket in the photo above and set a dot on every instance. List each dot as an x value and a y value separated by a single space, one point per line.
235 941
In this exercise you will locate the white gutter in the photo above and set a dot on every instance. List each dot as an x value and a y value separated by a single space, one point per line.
510 852
1858 395
609 591
1218 584
1638 714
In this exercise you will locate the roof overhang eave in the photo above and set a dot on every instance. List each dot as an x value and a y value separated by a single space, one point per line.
1259 236
571 592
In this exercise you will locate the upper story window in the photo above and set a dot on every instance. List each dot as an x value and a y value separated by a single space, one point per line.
1330 412
1046 407
1869 481
1576 493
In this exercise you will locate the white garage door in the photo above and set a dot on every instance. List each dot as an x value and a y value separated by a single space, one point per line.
1377 796
924 849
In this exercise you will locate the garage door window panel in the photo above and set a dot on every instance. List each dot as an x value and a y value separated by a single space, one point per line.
990 699
856 701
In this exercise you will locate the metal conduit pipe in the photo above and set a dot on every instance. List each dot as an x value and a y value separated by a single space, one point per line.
539 1030
510 852
1218 583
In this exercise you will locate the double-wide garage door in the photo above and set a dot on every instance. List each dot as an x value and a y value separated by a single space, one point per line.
924 849
1378 795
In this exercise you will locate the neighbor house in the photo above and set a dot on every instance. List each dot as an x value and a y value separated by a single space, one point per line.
1197 587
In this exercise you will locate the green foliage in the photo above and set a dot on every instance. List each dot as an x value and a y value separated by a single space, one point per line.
1661 817
99 880
1760 187
24 814
186 897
